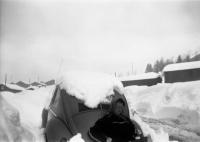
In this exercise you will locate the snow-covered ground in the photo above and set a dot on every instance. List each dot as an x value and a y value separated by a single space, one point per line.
28 105
174 107
162 110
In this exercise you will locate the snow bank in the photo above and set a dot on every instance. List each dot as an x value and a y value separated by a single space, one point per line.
182 66
29 105
153 99
178 103
149 75
155 136
11 128
91 87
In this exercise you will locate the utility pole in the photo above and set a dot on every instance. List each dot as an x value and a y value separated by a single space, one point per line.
5 79
132 68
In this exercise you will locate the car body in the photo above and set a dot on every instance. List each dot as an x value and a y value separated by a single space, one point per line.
66 116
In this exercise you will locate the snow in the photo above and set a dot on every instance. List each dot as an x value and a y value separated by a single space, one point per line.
175 104
32 87
161 110
14 86
10 127
76 138
91 87
149 75
29 104
182 66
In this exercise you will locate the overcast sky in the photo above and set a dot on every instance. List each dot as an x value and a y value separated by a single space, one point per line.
41 37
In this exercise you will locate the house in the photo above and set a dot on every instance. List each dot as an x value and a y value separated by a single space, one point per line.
146 79
22 84
4 88
182 72
50 82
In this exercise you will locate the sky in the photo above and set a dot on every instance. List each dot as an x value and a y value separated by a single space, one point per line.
39 38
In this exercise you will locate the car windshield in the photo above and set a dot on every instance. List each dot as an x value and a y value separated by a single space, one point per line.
102 106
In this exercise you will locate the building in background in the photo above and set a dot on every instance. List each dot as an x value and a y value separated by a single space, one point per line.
146 79
182 72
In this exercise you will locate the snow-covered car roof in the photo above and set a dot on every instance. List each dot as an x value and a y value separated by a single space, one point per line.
150 75
182 66
91 87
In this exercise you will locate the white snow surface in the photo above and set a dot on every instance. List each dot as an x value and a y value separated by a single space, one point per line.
177 102
149 75
91 87
29 105
182 66
76 138
14 86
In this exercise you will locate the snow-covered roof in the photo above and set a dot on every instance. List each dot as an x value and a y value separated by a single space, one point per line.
182 66
91 87
149 75
14 86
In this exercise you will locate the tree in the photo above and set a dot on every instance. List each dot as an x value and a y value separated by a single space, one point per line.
156 66
179 59
148 68
161 64
187 58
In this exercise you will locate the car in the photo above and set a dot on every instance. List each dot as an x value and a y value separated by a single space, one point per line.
68 115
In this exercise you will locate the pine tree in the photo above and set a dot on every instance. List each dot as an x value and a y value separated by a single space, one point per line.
156 66
179 59
187 59
148 68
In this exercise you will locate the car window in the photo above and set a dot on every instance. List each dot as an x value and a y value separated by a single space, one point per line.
106 106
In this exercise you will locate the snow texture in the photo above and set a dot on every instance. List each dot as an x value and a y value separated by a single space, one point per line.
14 86
20 114
176 106
28 105
149 75
76 138
91 87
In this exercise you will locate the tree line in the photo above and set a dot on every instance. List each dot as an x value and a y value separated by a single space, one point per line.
161 63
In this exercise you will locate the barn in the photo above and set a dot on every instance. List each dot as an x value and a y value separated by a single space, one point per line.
182 72
146 79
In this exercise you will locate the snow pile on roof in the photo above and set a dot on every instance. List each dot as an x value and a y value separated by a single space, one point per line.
149 75
178 102
91 87
182 66
14 86
76 138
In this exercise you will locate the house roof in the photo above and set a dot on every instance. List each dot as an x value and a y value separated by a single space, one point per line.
149 75
182 66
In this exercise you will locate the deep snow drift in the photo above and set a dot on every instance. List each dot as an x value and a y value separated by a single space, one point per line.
176 106
10 127
27 107
149 102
